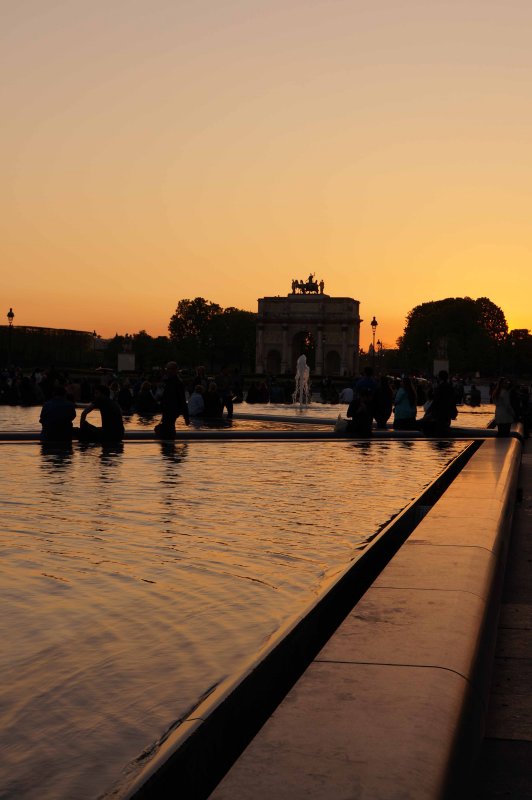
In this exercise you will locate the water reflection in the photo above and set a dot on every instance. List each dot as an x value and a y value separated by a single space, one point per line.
56 456
441 446
173 455
173 452
110 452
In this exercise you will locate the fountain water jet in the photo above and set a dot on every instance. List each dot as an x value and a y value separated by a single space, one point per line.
302 391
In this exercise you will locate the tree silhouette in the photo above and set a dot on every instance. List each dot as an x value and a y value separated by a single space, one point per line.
469 331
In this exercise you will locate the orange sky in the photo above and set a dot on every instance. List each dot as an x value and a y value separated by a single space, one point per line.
166 149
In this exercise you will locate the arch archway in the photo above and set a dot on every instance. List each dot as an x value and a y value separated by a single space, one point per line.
304 343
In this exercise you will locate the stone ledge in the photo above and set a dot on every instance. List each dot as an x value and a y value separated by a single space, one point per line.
358 731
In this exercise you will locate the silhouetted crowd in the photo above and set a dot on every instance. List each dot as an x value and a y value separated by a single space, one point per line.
408 403
376 400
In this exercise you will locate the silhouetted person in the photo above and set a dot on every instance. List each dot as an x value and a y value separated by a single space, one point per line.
405 406
125 398
224 383
442 410
173 403
361 412
56 417
346 395
112 429
504 411
366 382
382 402
145 402
213 404
263 393
251 396
196 403
474 396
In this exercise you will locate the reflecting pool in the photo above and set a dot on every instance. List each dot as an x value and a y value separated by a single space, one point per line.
136 578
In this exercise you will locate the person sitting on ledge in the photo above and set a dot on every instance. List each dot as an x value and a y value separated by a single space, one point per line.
56 417
112 429
196 404
405 405
361 412
438 416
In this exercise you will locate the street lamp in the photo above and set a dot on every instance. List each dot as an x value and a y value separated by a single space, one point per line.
373 324
10 318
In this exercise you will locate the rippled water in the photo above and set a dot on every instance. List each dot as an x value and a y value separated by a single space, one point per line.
134 579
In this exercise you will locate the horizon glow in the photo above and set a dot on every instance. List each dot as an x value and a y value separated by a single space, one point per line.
154 152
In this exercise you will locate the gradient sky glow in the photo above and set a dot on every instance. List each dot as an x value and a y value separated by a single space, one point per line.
158 150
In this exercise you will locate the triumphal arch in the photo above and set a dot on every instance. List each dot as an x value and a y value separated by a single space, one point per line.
308 321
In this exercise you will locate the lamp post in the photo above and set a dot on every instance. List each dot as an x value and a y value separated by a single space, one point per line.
373 324
379 352
10 318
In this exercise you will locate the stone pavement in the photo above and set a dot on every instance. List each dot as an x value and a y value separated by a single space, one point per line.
505 767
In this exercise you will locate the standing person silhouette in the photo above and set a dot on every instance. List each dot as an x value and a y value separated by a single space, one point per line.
224 383
504 412
173 403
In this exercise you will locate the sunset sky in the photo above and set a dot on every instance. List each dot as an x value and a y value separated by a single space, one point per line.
153 151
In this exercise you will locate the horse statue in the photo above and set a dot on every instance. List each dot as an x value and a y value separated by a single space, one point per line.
311 286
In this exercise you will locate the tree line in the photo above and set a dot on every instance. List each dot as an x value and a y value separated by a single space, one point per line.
471 334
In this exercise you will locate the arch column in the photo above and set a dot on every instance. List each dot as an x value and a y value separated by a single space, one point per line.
284 350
